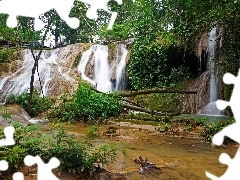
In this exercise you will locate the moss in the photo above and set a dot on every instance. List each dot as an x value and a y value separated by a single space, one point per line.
4 68
227 92
167 103
79 55
111 51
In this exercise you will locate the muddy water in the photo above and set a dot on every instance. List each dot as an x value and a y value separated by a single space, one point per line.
185 157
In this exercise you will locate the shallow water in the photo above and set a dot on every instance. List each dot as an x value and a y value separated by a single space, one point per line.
179 158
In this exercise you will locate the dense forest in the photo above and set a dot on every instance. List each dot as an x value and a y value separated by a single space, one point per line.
165 33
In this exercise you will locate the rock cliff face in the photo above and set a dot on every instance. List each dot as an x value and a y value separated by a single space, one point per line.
195 103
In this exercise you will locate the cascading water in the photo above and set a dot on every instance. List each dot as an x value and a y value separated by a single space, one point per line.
121 78
98 55
55 75
102 69
49 70
211 108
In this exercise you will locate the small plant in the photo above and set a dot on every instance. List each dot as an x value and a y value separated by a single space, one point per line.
202 121
87 105
74 156
5 113
164 127
91 132
5 55
210 129
38 106
188 128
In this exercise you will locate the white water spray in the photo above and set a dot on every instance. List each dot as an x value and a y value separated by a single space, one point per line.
102 69
121 70
48 69
211 108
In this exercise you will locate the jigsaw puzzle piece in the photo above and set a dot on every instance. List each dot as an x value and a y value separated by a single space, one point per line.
229 78
44 170
232 172
101 4
3 165
211 176
18 176
63 8
8 132
221 105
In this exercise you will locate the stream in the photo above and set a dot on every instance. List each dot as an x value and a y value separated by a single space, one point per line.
177 157
185 157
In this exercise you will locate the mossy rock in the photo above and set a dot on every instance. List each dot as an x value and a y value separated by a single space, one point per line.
79 55
111 51
4 68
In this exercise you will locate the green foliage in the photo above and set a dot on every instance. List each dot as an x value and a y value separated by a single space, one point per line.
147 64
202 121
38 106
91 132
210 129
5 55
169 103
5 113
87 105
178 74
154 64
74 157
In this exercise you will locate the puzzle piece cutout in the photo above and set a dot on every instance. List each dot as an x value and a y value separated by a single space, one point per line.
35 8
100 4
18 176
231 131
3 165
232 172
44 170
8 132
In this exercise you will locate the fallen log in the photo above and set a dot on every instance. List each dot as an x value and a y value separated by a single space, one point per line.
132 103
148 111
150 91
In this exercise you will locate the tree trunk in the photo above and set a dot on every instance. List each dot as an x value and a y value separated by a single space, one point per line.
36 58
150 91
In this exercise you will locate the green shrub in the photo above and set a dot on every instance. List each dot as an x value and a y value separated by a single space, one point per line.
202 121
87 104
155 63
5 55
38 105
210 129
74 156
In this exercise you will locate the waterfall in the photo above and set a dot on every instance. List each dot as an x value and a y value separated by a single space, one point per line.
49 73
102 69
211 107
55 75
121 78
102 77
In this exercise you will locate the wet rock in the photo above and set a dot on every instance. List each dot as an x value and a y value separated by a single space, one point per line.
16 113
147 168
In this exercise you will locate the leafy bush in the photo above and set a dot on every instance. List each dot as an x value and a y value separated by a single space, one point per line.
156 64
38 105
74 156
4 55
210 129
202 121
87 104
